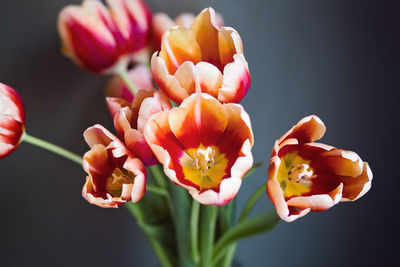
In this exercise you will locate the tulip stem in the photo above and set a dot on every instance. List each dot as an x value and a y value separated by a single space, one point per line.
53 148
157 190
125 77
194 231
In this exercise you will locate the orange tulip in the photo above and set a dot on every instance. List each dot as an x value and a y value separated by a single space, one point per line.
104 40
114 174
130 118
205 146
204 58
12 120
306 176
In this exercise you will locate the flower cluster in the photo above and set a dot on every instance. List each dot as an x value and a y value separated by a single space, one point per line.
193 125
204 143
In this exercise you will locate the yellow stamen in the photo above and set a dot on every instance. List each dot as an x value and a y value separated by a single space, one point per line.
295 175
204 166
117 179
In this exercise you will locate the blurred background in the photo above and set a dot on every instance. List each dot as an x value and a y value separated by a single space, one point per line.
336 59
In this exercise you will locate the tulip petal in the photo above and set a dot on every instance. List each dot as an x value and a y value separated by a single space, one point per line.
229 44
179 45
205 30
307 130
236 82
339 162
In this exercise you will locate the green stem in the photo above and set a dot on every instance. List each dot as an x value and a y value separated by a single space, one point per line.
53 148
208 221
251 202
156 189
159 175
194 231
125 77
163 254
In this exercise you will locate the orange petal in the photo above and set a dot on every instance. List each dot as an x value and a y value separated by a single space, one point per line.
307 130
356 187
339 162
179 45
168 83
229 44
97 134
205 30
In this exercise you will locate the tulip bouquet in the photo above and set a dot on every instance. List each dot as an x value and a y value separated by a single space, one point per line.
182 142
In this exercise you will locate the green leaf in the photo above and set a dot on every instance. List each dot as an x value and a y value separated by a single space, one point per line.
253 226
251 202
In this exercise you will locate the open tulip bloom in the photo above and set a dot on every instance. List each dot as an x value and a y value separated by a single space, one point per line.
182 143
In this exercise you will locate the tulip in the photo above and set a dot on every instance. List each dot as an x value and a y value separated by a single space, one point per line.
205 147
115 176
104 40
130 119
306 176
12 120
204 58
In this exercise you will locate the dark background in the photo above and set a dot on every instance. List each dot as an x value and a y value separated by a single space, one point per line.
336 59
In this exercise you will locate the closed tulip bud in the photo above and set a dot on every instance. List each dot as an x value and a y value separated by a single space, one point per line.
12 120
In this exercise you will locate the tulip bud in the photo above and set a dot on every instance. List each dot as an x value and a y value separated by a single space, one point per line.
12 120
103 40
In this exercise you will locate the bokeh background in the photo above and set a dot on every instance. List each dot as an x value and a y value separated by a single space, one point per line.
337 59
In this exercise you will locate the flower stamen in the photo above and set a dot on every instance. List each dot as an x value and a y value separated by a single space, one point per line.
301 173
117 179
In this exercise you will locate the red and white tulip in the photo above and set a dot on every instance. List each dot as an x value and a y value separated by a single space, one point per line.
305 176
12 120
205 147
204 58
115 176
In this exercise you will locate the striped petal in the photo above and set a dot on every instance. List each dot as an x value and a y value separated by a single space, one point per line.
12 120
90 37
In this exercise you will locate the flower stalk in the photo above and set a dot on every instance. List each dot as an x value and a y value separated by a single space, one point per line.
52 148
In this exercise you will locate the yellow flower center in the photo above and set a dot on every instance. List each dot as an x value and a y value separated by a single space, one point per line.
295 175
117 179
204 166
